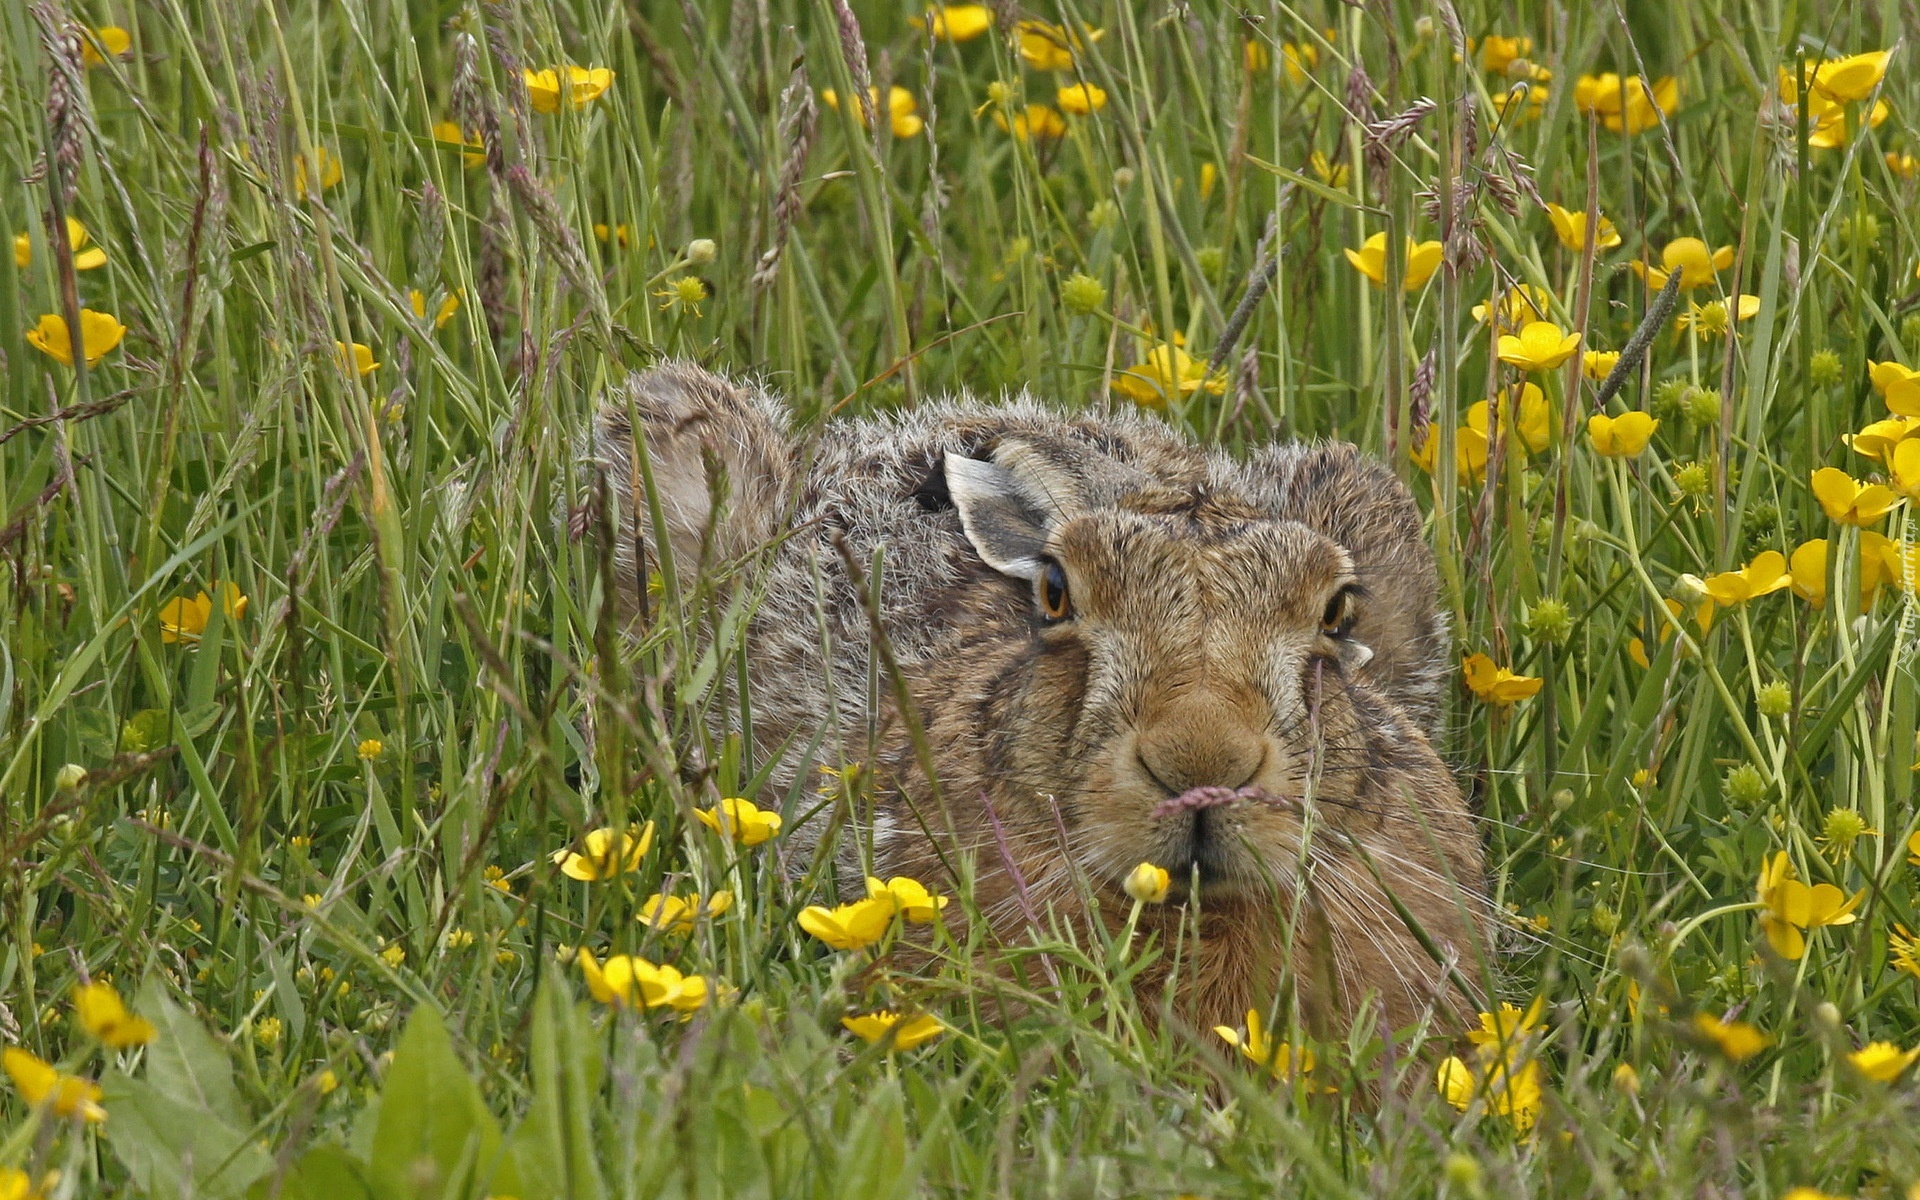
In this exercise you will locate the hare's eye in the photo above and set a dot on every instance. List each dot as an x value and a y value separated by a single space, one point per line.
1337 621
1050 592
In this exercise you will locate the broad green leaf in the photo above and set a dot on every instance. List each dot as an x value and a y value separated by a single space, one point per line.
186 1065
435 1133
174 1149
552 1149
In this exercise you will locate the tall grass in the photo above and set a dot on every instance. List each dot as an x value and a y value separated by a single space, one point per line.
332 811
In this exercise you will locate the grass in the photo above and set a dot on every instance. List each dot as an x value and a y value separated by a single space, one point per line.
311 842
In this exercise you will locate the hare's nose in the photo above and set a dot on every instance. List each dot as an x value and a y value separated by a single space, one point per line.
1201 742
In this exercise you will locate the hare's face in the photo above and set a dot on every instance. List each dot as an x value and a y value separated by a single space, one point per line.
1182 641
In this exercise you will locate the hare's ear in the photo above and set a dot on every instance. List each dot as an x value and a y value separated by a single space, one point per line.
1008 506
720 457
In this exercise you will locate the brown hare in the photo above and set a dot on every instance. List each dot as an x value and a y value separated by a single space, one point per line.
1118 647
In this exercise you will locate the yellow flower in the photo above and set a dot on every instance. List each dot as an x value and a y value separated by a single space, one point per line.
1147 883
99 333
1512 1090
1423 259
329 164
910 898
1469 448
676 914
1036 121
1080 99
1526 103
1299 60
1624 436
1168 371
1689 256
1504 1030
473 151
1255 56
184 620
1598 364
1906 166
1049 47
902 110
1766 574
628 981
1737 1040
1853 77
1848 501
742 820
1830 126
684 292
39 1083
1539 346
908 1031
1327 173
850 926
1902 946
1628 104
1535 426
1808 568
1258 1045
1898 385
1903 466
85 257
618 234
16 1184
1571 228
1521 305
370 749
1880 436
607 854
449 304
1712 318
105 1017
956 22
394 954
1497 52
114 40
1496 685
583 86
1209 175
1789 906
359 359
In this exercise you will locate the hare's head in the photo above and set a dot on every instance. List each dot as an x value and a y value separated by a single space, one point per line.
1202 636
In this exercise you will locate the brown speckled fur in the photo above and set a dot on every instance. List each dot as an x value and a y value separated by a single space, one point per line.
1195 656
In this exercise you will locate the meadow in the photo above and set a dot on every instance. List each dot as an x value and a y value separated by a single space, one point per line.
348 848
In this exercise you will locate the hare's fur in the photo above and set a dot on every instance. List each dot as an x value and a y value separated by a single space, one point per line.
1195 656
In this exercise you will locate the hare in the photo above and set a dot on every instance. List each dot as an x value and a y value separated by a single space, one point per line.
1115 647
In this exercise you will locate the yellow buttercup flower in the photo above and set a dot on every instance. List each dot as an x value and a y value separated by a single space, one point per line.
85 257
742 820
581 87
358 358
112 42
1299 60
1497 52
1714 319
330 172
1853 77
1539 346
956 22
99 333
850 926
908 1032
605 853
1878 437
1883 1062
1898 385
1571 228
1906 166
473 151
1048 47
1629 104
1765 575
629 981
676 914
1788 907
1498 686
449 304
1469 448
1737 1040
1522 304
1258 1045
1036 121
1534 426
1255 56
1167 372
903 116
1624 436
1807 567
1689 256
909 897
1080 99
105 1017
1849 501
184 620
1147 883
1423 259
38 1083
1830 127
1324 169
1598 364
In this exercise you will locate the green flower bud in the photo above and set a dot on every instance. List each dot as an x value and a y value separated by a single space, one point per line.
1823 369
1745 785
1702 406
1549 620
1083 294
1775 699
